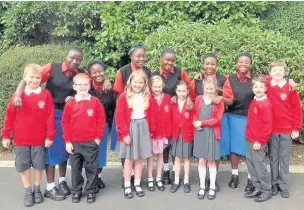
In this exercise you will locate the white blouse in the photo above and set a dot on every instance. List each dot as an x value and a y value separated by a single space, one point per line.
138 107
181 105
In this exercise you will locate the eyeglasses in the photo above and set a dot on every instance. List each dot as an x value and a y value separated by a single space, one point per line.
82 85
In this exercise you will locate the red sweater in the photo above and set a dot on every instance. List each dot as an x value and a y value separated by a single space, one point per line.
259 123
83 121
33 122
182 122
216 116
123 116
162 118
286 109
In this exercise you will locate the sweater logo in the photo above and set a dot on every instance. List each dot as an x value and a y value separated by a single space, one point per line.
186 115
255 110
283 96
166 108
41 104
90 112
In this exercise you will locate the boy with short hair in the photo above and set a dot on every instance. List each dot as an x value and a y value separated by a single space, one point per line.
33 129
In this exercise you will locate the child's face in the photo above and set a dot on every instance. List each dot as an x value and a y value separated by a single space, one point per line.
182 92
137 84
259 89
81 86
138 57
168 61
33 80
209 89
157 88
97 73
277 73
243 64
209 65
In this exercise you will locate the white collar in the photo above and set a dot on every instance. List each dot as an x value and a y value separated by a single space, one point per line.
29 91
260 99
207 101
79 98
280 84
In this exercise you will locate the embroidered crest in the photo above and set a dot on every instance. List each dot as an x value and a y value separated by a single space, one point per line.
41 104
186 115
90 112
166 108
283 96
255 110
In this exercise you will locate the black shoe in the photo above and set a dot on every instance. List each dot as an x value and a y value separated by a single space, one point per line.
249 186
275 189
201 196
234 181
128 195
100 183
211 197
54 194
166 177
187 188
252 194
174 188
140 192
284 193
28 198
38 198
64 188
262 197
91 198
160 186
150 186
76 198
217 187
207 184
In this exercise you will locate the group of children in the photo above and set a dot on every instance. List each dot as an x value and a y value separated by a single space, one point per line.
155 114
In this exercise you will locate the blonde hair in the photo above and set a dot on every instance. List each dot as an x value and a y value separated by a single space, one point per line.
211 80
32 69
277 63
81 76
156 78
260 79
145 91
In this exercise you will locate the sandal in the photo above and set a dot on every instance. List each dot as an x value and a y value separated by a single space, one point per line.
151 187
199 195
211 197
128 195
160 186
139 193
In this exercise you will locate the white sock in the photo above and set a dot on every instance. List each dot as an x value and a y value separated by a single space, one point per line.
186 179
150 180
159 183
202 176
249 177
61 179
50 186
176 180
212 175
173 167
235 171
99 175
137 183
127 184
166 166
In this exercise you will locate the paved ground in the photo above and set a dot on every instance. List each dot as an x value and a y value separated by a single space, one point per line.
111 198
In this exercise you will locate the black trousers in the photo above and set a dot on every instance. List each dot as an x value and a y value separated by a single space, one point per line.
85 154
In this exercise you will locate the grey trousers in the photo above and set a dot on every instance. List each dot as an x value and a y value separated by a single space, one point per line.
279 155
257 168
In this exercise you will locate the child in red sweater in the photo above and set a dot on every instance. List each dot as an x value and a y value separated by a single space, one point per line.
83 123
258 131
207 121
287 118
33 128
182 136
162 104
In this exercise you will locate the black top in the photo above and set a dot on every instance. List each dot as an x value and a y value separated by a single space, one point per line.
220 83
171 80
126 71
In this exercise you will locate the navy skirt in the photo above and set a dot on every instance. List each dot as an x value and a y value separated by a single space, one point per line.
103 148
113 135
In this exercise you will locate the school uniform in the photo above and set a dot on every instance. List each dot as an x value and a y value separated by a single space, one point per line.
163 123
238 89
258 129
137 123
83 121
287 117
207 140
121 78
30 126
182 130
59 81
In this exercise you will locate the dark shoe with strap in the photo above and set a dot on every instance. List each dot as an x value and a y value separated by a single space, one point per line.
174 187
54 194
201 194
64 188
275 189
160 185
211 197
187 188
100 183
128 195
91 198
76 198
234 181
150 186
166 177
262 197
252 194
139 192
28 198
38 198
249 186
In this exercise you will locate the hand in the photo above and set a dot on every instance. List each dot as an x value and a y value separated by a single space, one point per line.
199 128
17 101
107 85
174 99
6 143
127 140
69 99
198 76
48 143
256 146
217 99
189 103
294 134
197 124
69 148
97 141
293 84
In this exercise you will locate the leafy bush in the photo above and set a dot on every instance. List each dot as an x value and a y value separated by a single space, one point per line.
227 41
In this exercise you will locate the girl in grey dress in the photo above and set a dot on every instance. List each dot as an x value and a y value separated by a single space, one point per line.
206 138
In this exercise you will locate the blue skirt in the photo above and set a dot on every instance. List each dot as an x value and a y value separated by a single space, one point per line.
57 154
113 135
103 148
233 132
